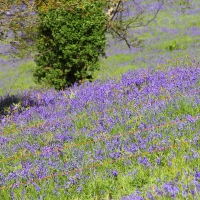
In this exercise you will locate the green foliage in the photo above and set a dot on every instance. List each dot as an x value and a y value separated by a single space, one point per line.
70 44
172 46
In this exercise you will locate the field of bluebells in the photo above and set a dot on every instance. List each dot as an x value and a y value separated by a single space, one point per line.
133 136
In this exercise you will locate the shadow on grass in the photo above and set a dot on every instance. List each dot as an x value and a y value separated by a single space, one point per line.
8 104
17 103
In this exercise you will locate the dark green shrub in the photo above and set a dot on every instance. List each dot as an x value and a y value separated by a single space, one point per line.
70 45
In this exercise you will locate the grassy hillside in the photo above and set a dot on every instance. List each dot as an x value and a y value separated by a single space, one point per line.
168 37
131 134
137 137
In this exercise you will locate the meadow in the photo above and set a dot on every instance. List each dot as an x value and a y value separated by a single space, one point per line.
131 134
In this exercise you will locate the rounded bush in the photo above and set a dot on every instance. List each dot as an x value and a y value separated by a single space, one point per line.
70 44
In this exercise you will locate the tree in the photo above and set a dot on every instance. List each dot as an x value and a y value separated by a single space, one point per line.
73 41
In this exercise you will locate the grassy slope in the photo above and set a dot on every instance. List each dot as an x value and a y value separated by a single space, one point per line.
132 176
182 42
117 64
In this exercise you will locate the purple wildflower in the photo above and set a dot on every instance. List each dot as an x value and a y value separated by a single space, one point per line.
115 173
170 189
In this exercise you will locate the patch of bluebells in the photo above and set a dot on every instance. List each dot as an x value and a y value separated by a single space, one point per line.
135 86
58 110
102 106
171 189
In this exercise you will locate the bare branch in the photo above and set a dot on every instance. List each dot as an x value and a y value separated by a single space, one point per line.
154 17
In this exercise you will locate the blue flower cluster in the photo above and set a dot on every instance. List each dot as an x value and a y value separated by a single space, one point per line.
105 130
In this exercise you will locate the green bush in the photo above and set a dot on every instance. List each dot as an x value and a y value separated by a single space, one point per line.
70 44
172 46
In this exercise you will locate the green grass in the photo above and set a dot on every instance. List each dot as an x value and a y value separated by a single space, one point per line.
174 46
21 79
110 67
